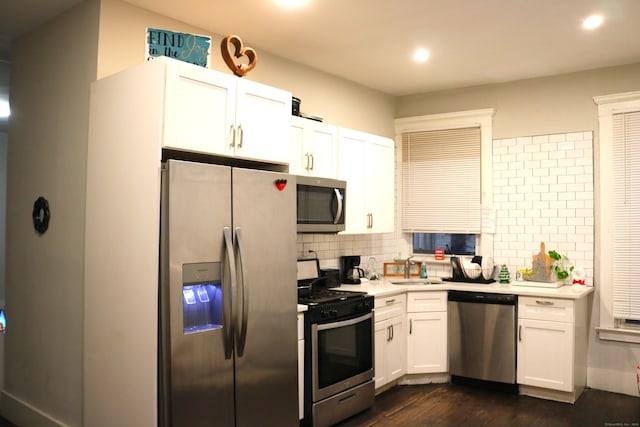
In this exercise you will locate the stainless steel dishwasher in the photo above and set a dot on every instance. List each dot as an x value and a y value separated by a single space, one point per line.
482 336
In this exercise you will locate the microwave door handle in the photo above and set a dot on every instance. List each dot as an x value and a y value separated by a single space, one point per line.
228 285
339 209
241 332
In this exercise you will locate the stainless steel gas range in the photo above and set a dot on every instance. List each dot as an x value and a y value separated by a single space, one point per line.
339 351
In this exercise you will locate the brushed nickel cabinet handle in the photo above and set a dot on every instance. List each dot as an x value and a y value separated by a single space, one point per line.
520 333
241 133
544 302
232 136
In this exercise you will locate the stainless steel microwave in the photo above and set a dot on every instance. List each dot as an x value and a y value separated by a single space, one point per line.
321 204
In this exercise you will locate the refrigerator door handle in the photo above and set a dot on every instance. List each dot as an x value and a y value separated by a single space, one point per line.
241 332
227 287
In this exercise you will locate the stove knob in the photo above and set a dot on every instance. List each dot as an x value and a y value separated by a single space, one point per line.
333 312
367 305
324 313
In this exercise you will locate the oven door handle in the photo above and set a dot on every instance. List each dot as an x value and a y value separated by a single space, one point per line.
343 323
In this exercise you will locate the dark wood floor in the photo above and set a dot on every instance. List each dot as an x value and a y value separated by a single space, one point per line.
454 405
5 423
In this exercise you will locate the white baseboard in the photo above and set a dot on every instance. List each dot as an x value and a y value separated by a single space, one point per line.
416 379
22 413
613 381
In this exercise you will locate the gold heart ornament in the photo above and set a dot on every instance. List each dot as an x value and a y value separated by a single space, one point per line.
238 69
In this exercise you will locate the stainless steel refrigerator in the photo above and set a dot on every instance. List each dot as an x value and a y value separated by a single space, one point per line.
228 349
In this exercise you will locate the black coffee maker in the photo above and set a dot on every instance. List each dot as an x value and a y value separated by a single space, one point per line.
349 270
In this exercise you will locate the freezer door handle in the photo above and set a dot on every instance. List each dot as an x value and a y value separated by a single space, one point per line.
241 333
228 284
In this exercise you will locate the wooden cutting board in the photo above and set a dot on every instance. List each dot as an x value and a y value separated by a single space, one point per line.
541 266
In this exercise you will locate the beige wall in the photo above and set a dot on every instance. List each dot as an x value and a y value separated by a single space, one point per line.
549 105
51 70
340 102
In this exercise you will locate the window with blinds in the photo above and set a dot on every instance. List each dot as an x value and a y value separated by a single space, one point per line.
441 181
626 254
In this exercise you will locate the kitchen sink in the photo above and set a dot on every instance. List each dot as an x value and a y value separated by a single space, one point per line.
426 281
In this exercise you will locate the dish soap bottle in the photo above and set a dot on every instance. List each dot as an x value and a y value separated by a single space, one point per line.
423 272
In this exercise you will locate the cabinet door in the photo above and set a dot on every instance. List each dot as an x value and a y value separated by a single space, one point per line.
298 157
366 162
545 352
313 148
352 168
379 200
396 349
198 109
427 343
382 334
263 122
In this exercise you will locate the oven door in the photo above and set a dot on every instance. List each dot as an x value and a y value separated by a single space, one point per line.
341 355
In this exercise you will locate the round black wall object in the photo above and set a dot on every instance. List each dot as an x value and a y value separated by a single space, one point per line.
41 215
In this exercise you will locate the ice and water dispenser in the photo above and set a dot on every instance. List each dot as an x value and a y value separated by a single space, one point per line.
201 297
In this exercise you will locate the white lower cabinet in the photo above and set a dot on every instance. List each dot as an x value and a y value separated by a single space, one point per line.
300 366
389 354
552 346
427 332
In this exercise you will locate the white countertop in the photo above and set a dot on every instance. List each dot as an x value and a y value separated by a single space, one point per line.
302 307
385 287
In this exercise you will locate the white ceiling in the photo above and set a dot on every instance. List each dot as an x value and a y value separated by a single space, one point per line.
472 42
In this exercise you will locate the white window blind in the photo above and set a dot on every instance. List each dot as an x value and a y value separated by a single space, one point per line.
626 254
441 181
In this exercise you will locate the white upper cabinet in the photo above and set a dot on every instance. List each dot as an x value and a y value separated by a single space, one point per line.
210 112
263 121
313 148
366 162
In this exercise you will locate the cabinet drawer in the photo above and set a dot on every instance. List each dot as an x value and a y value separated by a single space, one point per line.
390 306
557 310
419 302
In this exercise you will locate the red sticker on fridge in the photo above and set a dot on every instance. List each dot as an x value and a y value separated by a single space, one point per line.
281 184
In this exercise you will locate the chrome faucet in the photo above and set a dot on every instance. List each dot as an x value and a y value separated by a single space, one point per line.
407 266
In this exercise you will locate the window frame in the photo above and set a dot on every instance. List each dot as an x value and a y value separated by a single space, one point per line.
609 105
482 118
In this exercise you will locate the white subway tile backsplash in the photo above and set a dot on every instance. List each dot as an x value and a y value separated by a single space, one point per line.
558 137
558 199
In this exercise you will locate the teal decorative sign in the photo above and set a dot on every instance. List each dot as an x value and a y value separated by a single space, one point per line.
191 48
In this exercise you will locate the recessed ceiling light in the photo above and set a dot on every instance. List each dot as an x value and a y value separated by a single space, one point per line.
292 3
421 55
592 22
